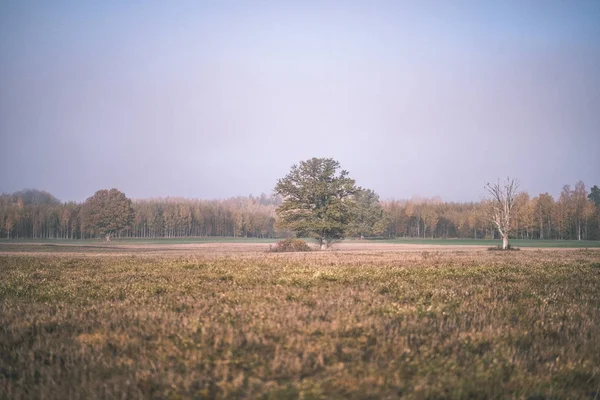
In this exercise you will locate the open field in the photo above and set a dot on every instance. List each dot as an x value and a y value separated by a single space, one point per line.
186 246
228 320
521 243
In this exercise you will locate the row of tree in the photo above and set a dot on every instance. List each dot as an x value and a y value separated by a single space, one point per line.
38 214
575 214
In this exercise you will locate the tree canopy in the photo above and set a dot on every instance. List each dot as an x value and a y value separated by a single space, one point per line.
317 200
107 212
35 197
368 218
594 195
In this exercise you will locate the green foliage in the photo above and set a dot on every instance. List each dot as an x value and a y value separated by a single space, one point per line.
594 195
35 197
317 200
368 218
290 245
107 212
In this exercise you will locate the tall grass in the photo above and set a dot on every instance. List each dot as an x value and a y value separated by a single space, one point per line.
334 325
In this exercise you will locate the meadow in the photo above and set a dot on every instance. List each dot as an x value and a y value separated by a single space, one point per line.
229 321
525 243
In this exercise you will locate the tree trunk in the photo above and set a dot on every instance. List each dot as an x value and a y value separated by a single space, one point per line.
504 242
107 236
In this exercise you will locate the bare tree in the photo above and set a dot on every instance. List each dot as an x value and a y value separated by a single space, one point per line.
500 205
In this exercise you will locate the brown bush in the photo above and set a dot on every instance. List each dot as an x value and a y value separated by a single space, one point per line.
290 245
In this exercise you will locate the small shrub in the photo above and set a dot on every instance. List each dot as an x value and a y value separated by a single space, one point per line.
290 245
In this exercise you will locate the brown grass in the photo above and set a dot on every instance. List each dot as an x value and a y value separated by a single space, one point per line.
345 324
83 248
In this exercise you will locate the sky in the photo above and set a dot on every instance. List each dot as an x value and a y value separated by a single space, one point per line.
213 99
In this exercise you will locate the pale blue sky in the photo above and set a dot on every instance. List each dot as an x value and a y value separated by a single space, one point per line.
220 98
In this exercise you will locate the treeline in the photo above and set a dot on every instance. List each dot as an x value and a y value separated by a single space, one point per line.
575 214
178 217
38 214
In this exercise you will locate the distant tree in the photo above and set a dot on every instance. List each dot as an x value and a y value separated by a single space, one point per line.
430 219
394 210
368 216
523 220
409 212
65 219
317 200
594 195
543 208
499 206
9 224
35 197
580 202
588 214
562 215
107 212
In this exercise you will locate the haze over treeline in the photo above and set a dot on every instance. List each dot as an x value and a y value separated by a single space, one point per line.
574 214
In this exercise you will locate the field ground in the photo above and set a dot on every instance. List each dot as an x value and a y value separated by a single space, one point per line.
203 245
520 243
227 320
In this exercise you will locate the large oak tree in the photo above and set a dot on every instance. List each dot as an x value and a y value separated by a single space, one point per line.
317 200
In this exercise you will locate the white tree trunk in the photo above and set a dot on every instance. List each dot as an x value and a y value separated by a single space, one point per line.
504 242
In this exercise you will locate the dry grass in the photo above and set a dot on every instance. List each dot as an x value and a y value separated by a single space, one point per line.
84 248
361 324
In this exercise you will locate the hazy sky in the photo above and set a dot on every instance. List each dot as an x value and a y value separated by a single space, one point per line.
219 98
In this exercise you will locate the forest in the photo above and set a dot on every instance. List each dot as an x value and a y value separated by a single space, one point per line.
574 215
